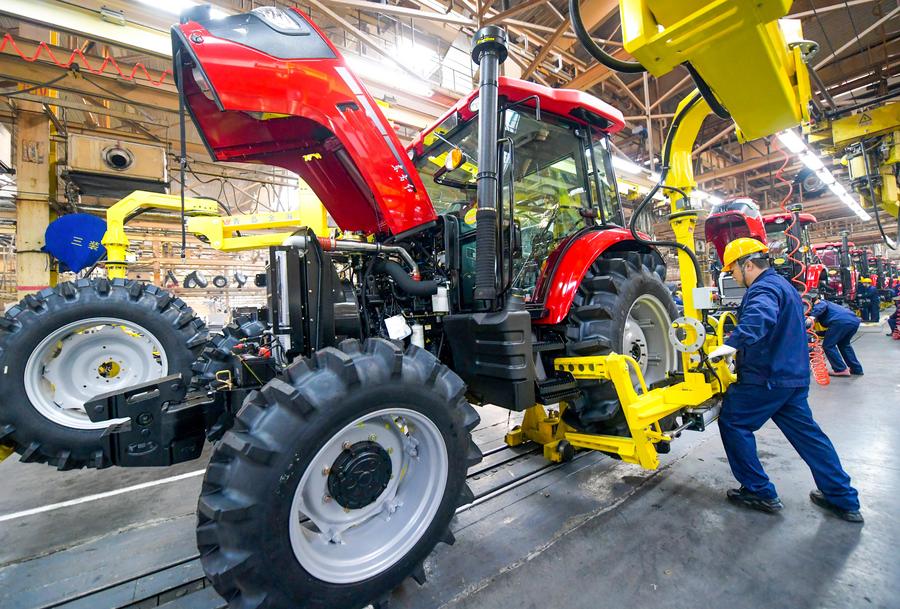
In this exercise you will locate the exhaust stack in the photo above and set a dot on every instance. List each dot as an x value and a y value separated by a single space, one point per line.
488 51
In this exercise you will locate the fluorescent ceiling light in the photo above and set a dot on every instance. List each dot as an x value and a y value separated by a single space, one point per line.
812 161
625 165
176 7
838 189
792 141
389 74
826 177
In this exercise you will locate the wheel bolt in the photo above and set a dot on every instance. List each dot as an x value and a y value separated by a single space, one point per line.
346 445
326 471
326 499
372 438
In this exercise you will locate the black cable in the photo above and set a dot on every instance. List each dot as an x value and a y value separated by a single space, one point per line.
884 237
35 87
183 136
667 153
707 93
618 65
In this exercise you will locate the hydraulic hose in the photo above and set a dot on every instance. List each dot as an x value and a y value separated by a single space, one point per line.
635 67
595 51
816 353
406 283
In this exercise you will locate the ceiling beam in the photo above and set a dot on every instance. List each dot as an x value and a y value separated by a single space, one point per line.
542 54
519 8
410 13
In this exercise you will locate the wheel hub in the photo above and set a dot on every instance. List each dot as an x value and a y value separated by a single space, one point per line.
359 475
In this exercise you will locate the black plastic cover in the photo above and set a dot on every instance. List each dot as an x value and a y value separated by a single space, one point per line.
492 354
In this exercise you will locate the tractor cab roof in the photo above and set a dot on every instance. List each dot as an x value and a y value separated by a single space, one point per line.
571 104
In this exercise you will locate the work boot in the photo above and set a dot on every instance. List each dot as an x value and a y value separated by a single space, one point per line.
843 372
743 497
817 497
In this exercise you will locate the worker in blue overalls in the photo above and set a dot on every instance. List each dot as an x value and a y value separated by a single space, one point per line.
841 326
773 383
869 300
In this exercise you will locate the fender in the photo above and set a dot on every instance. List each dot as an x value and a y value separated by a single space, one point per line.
569 263
814 275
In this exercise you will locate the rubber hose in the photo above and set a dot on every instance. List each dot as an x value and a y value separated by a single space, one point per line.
485 257
403 280
618 65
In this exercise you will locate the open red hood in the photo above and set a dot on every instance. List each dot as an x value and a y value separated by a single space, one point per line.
268 87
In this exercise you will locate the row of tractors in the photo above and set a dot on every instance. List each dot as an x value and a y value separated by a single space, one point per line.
834 270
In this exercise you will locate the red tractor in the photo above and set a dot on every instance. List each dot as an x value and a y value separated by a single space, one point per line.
842 276
731 219
783 238
465 264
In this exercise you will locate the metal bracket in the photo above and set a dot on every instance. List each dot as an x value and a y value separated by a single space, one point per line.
159 428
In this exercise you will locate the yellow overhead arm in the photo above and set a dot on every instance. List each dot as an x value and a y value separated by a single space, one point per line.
222 233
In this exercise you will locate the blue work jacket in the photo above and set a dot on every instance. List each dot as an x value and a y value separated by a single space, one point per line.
771 335
833 315
869 293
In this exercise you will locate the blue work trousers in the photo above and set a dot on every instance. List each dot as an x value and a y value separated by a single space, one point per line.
874 310
838 349
746 408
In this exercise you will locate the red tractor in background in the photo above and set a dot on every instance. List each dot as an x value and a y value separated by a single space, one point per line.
731 219
842 276
778 227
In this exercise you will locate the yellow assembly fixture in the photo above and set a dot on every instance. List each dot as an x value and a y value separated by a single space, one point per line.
735 46
225 233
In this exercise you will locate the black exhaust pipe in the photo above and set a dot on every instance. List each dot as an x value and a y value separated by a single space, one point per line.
488 51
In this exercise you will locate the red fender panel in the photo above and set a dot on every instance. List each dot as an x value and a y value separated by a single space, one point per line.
567 266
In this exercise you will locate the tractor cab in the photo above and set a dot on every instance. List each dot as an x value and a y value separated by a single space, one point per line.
555 177
733 218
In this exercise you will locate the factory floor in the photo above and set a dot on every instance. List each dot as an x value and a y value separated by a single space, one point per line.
592 533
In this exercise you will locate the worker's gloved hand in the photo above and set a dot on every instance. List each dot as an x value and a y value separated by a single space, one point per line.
720 352
810 321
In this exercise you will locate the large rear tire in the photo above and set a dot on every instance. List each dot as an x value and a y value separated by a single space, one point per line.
64 345
337 482
621 306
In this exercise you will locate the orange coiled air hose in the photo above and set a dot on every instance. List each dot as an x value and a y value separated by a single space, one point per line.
817 363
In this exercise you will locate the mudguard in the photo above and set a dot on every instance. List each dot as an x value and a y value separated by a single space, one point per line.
569 263
268 87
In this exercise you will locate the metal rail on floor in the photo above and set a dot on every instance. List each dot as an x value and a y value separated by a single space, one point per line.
180 584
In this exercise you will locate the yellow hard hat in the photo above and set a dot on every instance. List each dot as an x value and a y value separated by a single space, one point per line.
741 248
866 280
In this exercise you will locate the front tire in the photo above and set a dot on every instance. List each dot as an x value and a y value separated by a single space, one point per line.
64 345
337 482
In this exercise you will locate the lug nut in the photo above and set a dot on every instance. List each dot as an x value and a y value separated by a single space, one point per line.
346 445
372 438
326 471
326 499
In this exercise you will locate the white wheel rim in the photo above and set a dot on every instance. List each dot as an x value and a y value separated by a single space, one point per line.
646 338
86 358
340 545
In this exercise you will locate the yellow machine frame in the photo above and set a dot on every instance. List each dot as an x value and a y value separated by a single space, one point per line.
203 219
662 35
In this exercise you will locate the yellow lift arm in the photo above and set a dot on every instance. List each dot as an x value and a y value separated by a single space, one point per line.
203 219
